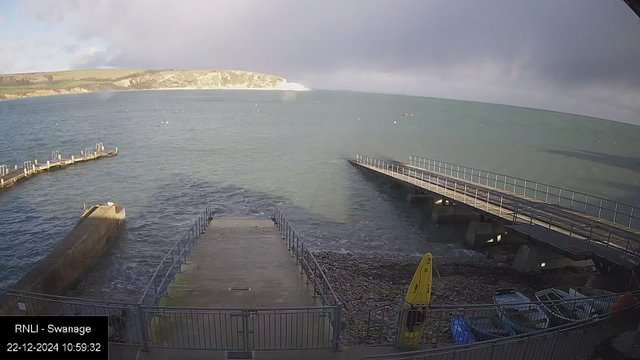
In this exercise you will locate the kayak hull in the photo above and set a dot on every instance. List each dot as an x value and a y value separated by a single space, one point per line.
563 308
488 327
517 312
418 297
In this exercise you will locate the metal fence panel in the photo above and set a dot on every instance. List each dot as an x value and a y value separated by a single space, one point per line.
125 326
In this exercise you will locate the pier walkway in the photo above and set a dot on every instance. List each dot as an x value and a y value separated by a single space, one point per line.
603 233
240 262
29 169
239 289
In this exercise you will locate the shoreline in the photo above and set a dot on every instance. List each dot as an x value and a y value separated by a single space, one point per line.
85 91
365 280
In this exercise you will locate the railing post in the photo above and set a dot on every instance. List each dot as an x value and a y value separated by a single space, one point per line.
559 196
143 328
500 213
586 201
615 213
245 330
336 328
530 221
546 198
488 193
600 208
535 192
631 217
464 196
573 194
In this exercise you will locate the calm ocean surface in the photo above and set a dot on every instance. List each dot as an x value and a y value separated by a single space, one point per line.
244 151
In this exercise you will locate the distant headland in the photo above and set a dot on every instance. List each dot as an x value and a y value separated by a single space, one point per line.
92 80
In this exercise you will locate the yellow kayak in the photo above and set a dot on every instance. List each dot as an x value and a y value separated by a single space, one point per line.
418 297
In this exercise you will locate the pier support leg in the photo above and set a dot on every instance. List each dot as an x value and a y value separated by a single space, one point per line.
446 212
480 234
422 198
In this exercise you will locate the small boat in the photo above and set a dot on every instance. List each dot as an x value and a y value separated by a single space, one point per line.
417 299
518 313
563 308
460 332
488 327
600 300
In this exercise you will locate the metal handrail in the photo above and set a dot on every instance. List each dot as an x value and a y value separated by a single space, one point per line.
176 256
68 299
300 251
537 190
503 205
314 273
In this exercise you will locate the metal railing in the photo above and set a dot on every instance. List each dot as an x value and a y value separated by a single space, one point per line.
126 322
313 271
484 317
610 210
4 170
607 242
241 329
172 262
575 340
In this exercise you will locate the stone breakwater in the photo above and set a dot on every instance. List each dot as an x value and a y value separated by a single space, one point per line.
364 281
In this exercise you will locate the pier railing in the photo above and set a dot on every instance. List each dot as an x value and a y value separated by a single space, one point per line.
611 210
9 177
609 241
125 319
304 257
172 262
313 271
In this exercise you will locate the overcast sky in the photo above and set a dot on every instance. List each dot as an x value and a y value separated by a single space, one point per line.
579 56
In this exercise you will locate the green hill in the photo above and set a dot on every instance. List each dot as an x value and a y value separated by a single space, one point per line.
90 80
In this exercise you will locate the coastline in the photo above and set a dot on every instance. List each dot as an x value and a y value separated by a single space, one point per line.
85 91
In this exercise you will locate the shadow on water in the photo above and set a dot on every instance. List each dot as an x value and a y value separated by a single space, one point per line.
624 162
633 190
124 271
441 239
379 221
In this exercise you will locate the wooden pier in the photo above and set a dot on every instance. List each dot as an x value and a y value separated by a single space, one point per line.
29 169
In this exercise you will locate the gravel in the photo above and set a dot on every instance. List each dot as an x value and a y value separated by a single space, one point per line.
363 281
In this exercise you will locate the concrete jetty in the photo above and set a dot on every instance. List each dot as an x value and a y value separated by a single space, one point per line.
65 266
9 177
242 263
242 290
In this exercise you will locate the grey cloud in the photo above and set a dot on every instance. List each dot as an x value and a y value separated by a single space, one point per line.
71 48
90 61
552 48
44 41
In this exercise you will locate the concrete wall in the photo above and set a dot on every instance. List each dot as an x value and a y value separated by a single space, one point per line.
532 258
449 214
69 261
